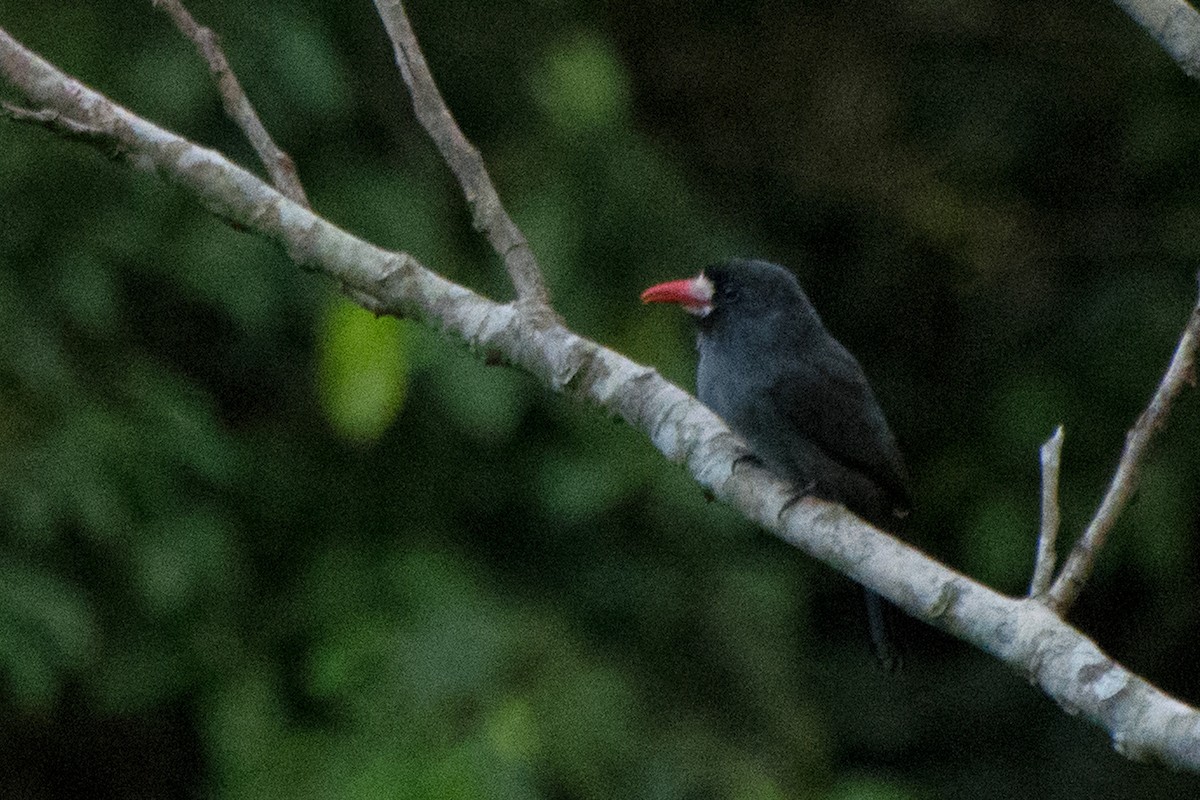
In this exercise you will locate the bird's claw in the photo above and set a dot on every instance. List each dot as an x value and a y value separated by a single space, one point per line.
749 459
797 497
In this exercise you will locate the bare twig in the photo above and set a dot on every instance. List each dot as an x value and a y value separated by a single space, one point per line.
1145 724
279 165
54 121
1079 564
1174 24
465 162
1043 568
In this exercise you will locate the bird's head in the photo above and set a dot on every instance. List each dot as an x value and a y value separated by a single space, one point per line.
739 289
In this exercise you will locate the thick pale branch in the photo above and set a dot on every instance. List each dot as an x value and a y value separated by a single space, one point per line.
1174 24
1043 568
1078 565
279 165
1144 723
466 163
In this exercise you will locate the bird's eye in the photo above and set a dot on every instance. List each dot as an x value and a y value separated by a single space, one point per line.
730 294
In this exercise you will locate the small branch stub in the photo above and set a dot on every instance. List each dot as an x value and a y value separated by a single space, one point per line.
1043 570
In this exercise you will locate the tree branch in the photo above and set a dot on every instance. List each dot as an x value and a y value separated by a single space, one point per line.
464 160
279 165
1174 24
1144 723
1079 563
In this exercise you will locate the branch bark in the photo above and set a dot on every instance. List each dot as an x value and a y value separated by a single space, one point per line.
1174 24
1144 723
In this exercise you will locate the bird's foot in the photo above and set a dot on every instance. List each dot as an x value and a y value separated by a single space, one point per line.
749 459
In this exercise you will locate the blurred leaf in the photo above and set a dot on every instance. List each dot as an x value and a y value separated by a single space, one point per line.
1153 533
182 427
397 208
182 559
30 678
31 352
89 293
485 402
453 640
587 719
138 675
1001 541
758 787
46 630
243 721
869 789
582 85
231 273
575 487
362 370
305 65
511 730
172 79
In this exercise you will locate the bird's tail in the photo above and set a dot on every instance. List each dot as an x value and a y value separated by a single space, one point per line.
883 640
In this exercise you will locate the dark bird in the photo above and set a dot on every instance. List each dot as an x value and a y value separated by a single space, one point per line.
779 379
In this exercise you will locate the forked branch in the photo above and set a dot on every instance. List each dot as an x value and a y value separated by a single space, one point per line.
279 165
466 163
1078 566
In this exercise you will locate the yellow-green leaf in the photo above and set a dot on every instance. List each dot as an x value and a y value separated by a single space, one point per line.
362 370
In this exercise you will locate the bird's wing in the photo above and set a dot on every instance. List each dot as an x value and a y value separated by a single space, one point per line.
832 406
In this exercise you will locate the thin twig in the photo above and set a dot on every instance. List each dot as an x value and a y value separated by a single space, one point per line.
1079 564
54 121
279 165
1043 568
465 162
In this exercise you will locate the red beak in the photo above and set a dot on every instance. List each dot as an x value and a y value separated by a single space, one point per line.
694 294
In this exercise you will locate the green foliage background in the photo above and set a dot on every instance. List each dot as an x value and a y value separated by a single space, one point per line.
254 543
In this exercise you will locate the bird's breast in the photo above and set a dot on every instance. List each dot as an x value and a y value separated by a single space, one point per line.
731 381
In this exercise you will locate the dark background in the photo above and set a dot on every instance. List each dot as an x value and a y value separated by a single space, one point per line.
254 543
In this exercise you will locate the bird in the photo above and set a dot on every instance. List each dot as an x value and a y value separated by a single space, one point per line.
780 380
